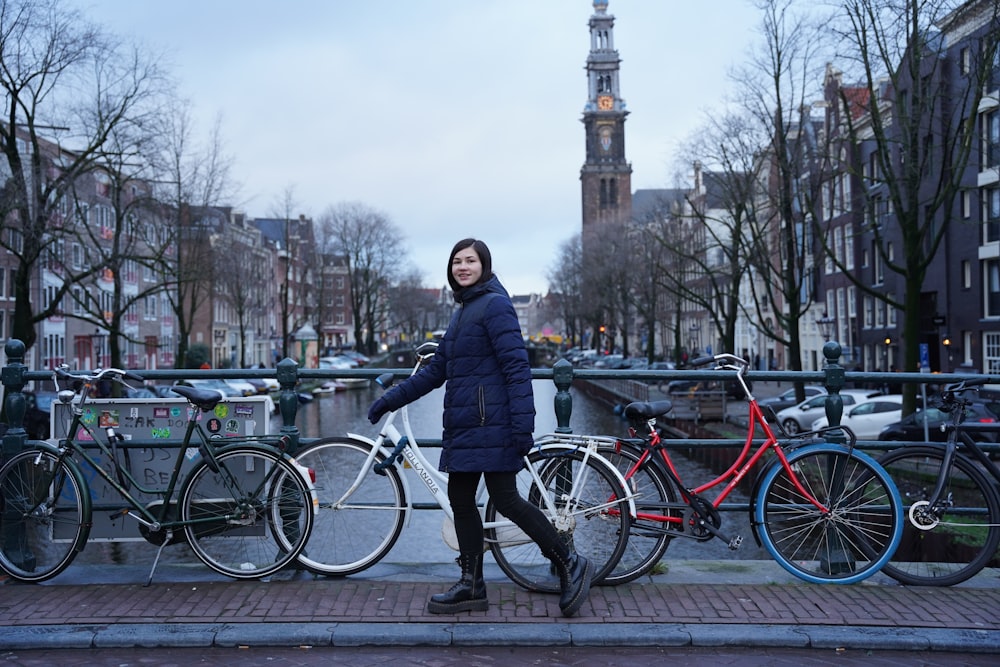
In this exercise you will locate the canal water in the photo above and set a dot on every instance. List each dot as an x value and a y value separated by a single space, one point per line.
343 412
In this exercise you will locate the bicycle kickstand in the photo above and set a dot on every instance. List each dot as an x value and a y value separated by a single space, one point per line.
166 541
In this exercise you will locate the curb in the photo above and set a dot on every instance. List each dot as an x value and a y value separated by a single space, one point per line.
195 635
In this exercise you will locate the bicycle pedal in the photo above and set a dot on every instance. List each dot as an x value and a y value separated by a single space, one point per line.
735 543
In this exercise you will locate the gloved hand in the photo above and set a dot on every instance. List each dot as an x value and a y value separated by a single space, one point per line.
377 410
523 441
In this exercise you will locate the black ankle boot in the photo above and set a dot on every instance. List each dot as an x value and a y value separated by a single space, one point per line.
575 573
469 594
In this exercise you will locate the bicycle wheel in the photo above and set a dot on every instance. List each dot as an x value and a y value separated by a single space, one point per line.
591 516
649 534
851 541
251 516
354 532
949 544
44 515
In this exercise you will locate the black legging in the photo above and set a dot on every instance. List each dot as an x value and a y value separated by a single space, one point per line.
502 487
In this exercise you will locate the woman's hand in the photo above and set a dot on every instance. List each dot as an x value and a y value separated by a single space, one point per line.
377 410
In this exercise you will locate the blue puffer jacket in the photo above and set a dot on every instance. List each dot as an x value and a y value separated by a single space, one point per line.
489 408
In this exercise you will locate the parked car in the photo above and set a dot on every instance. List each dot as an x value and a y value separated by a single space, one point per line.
243 386
361 359
164 391
140 392
343 363
37 412
786 399
868 418
799 418
609 361
911 427
221 386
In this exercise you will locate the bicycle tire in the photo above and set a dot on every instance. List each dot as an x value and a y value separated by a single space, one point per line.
851 542
45 514
249 515
590 526
649 534
946 552
359 531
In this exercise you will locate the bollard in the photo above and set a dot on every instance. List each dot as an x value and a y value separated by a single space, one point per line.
288 401
562 376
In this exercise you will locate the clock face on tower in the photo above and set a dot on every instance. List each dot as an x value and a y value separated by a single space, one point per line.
605 102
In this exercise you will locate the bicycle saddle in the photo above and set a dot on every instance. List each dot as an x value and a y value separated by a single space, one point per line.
646 410
203 399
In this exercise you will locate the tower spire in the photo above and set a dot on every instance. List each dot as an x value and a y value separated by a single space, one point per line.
606 175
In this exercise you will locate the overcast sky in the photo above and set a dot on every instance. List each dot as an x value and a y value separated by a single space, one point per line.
455 118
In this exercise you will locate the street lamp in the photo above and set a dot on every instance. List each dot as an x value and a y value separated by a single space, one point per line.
947 346
825 325
888 342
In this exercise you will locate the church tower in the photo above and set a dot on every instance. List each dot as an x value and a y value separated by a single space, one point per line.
606 177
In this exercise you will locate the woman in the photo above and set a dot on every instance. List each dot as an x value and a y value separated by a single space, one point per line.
489 415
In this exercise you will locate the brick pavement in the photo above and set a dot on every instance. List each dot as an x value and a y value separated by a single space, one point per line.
306 600
687 603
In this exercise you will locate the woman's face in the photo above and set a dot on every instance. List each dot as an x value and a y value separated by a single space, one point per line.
466 267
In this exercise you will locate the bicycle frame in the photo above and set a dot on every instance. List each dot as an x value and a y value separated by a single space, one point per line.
194 438
406 446
959 437
739 469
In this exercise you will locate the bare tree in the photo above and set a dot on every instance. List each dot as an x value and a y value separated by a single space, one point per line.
414 310
922 122
294 304
566 281
776 88
59 75
373 249
188 177
237 280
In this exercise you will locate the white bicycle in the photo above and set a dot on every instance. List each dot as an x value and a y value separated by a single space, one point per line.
365 500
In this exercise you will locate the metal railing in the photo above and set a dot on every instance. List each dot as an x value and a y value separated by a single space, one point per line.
626 384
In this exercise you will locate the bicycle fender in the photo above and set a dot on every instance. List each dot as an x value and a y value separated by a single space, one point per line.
556 448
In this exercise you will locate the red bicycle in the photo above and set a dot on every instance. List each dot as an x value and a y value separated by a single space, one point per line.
823 510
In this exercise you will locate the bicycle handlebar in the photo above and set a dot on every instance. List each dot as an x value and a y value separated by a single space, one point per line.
113 374
950 393
724 360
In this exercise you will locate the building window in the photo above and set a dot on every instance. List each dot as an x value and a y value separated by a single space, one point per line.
991 214
991 140
991 352
966 274
991 269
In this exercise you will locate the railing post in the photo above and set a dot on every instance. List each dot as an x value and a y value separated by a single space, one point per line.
15 403
834 383
12 533
288 400
837 556
562 376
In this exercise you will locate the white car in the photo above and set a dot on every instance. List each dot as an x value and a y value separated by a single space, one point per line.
242 386
799 418
867 419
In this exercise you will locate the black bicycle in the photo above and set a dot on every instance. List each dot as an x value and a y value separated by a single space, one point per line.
950 494
243 506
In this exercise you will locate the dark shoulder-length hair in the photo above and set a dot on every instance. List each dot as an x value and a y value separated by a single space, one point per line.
484 258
